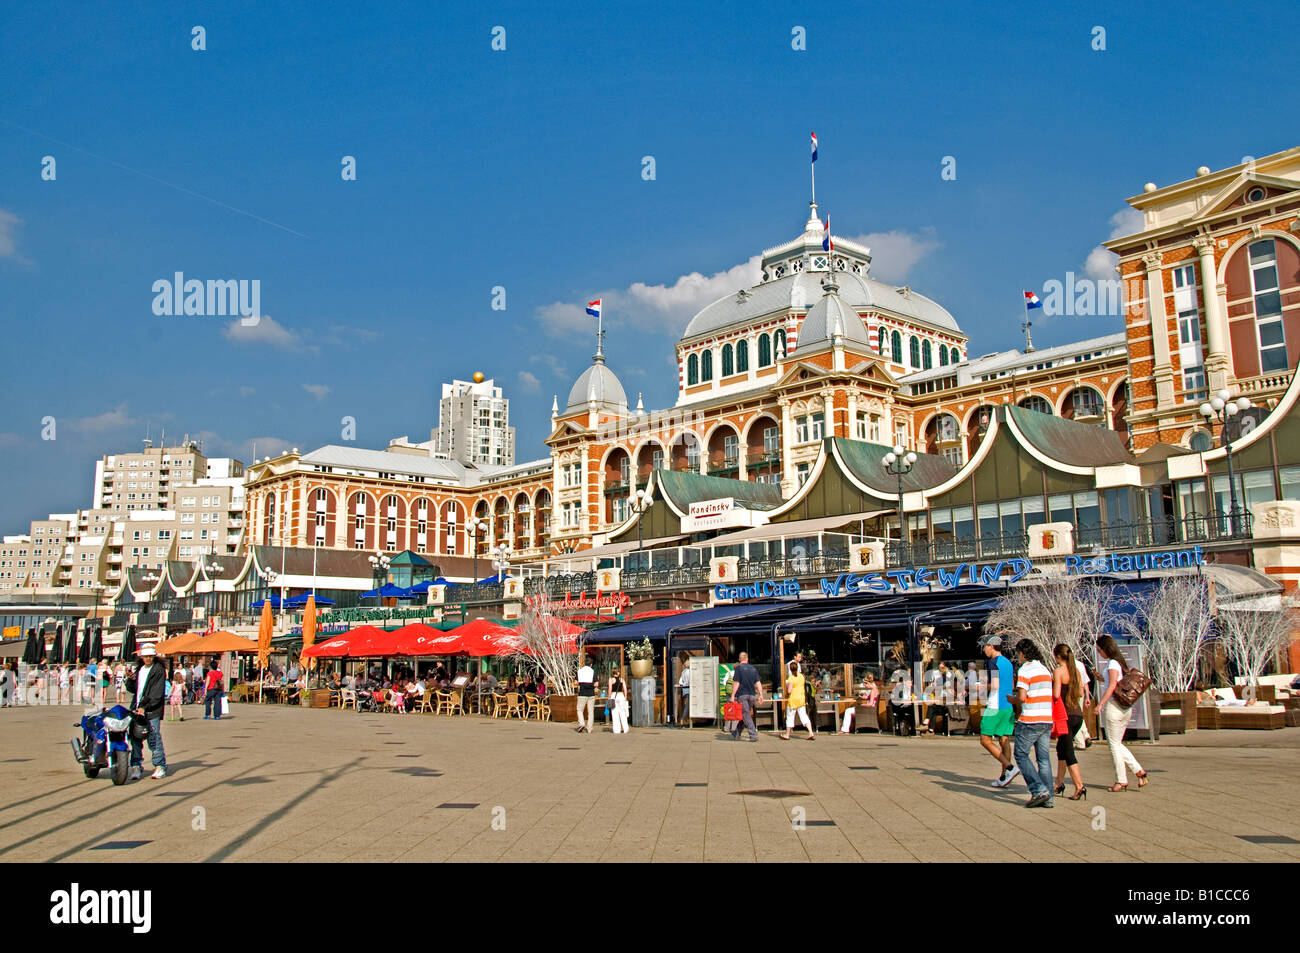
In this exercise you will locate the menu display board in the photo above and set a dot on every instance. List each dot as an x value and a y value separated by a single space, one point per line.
704 686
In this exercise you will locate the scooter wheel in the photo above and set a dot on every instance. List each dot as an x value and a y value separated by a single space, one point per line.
121 767
90 772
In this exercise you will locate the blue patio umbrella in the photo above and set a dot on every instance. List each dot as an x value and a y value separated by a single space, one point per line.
420 588
297 602
386 591
274 600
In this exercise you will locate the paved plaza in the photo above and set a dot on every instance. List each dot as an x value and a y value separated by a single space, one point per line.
274 783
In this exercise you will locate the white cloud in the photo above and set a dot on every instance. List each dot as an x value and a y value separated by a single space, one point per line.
671 305
246 391
319 391
895 253
9 223
1100 263
267 332
529 383
109 420
215 445
552 364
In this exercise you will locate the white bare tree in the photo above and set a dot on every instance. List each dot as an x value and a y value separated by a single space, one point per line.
1174 622
1252 638
1069 609
542 641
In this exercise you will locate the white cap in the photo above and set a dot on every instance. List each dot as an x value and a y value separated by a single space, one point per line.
148 651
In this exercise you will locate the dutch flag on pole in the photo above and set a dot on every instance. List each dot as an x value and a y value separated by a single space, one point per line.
1031 301
828 244
593 308
814 147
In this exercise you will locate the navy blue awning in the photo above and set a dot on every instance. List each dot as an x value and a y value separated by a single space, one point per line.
682 624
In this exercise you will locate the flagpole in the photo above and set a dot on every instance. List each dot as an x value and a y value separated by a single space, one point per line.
1029 337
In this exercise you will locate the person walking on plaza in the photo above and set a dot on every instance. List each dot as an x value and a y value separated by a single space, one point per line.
749 691
684 689
1034 726
212 694
7 685
148 690
1067 717
997 722
586 695
618 703
1116 718
796 702
177 696
119 681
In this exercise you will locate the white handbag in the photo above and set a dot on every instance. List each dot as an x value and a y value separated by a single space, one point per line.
225 705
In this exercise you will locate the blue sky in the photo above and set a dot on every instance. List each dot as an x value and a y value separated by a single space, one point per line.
522 168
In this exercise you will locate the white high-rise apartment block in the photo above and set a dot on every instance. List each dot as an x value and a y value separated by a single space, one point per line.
474 424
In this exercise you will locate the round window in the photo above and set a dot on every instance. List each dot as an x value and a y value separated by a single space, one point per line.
1200 441
1255 195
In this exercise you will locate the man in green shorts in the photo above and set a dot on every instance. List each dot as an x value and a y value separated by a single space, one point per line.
998 721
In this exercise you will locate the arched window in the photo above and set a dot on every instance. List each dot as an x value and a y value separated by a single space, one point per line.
925 355
914 352
764 351
742 356
692 370
778 342
946 428
882 342
943 355
1087 402
896 340
728 361
1268 306
706 366
954 356
1034 402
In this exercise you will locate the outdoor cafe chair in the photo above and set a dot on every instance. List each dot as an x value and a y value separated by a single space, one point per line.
426 701
347 697
532 706
543 708
446 703
514 705
498 700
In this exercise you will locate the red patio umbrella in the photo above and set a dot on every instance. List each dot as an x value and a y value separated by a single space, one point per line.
365 641
419 639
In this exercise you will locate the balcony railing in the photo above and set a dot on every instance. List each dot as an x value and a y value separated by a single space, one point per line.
674 577
558 585
612 488
824 563
1195 528
930 552
476 592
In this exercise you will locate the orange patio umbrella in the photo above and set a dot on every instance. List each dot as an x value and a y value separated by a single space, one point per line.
265 629
178 644
308 630
219 643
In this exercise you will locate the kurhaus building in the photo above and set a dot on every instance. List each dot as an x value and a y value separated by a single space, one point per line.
820 350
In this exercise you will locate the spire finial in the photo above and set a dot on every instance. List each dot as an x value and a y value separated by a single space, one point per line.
640 407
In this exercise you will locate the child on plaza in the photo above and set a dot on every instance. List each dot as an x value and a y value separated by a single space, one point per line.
795 701
177 695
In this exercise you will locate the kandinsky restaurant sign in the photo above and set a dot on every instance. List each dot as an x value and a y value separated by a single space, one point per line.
618 601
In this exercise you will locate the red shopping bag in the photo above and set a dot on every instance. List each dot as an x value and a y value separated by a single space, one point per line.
731 711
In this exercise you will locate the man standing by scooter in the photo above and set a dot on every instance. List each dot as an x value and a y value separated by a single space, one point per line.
148 688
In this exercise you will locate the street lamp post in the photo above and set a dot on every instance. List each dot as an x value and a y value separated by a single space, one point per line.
270 576
501 561
476 527
1221 408
640 505
898 462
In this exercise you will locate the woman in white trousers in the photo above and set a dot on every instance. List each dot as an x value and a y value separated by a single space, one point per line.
1116 719
618 703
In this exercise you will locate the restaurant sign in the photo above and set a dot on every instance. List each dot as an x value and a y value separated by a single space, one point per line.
1135 562
718 514
580 602
923 577
757 590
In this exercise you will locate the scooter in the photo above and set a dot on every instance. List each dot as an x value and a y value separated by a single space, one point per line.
104 742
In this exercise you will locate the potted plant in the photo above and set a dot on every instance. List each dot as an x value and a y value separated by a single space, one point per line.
641 657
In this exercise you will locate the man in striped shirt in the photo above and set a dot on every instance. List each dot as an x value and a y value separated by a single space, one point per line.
1034 725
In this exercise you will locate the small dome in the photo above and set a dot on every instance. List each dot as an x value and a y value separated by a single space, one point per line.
831 316
597 383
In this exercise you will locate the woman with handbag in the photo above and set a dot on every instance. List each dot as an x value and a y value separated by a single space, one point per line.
618 706
1116 717
1067 716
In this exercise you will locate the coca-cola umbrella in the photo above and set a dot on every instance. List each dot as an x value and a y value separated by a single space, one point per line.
56 650
365 641
128 643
